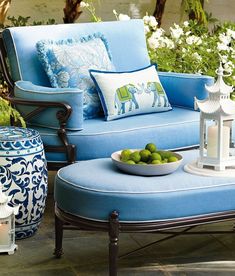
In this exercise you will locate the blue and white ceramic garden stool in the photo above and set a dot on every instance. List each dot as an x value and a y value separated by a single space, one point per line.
23 173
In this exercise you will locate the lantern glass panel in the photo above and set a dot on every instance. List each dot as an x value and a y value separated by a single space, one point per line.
5 239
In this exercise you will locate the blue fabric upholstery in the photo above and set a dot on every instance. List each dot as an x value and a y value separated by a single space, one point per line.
182 88
169 130
125 39
72 96
127 44
139 198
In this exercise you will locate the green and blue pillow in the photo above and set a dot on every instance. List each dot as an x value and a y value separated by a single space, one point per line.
124 94
67 63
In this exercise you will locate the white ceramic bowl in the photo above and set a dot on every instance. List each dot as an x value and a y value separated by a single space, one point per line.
138 169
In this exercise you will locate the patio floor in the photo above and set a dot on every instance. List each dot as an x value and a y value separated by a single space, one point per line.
86 253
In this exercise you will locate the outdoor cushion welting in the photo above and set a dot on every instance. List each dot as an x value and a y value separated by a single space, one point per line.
169 130
139 198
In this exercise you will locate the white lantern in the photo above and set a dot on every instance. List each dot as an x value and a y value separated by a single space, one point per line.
7 224
217 114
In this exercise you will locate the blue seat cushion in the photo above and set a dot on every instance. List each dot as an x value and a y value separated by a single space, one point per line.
139 198
168 130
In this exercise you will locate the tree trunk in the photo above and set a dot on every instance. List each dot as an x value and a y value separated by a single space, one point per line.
159 10
72 11
192 14
4 6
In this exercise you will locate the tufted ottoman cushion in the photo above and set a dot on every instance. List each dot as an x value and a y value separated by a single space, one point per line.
93 189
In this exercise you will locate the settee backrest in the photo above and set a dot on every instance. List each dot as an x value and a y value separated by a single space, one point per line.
126 42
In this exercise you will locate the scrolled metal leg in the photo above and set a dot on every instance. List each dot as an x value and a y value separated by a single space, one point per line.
58 237
113 243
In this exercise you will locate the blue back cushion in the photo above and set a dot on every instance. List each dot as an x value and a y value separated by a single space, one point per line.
126 42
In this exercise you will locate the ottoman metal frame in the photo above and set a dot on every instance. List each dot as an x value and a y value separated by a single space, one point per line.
113 226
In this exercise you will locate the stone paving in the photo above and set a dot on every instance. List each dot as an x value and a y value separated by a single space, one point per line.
86 253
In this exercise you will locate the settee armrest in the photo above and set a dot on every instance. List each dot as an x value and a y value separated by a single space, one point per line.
48 102
181 88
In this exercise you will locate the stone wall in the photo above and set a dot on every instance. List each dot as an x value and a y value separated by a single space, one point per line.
42 9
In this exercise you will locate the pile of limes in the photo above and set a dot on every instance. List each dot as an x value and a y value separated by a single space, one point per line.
148 155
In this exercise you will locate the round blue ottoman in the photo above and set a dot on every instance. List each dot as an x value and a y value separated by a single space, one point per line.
23 173
95 195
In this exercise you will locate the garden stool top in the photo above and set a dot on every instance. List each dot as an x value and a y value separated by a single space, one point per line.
93 189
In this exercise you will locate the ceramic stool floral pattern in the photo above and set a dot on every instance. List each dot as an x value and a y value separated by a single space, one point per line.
23 173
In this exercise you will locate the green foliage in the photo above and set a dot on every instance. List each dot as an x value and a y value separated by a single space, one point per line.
195 6
25 21
7 113
192 48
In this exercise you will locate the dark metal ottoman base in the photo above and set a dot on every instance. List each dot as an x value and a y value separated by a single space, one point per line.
65 220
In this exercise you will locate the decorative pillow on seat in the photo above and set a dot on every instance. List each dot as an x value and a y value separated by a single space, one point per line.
129 93
67 62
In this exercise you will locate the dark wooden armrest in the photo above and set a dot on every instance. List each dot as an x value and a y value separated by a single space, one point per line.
61 115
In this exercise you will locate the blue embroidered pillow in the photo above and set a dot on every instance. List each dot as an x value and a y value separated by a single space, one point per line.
67 64
124 94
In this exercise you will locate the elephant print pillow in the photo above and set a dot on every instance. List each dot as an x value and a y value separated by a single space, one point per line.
125 94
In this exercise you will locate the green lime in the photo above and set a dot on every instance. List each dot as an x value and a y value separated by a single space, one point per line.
172 159
142 163
165 154
131 162
144 155
125 154
165 160
155 156
135 156
151 147
156 162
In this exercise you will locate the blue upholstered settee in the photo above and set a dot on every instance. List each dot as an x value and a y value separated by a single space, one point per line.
94 138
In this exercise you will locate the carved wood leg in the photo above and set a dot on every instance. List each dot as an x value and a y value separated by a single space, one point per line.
113 243
58 237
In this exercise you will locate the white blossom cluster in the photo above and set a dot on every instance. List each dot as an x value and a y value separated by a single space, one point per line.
187 48
224 47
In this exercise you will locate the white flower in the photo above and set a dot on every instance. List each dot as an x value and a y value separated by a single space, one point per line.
193 40
231 33
229 66
146 29
146 19
208 50
222 47
84 4
184 50
123 17
197 56
224 39
158 33
169 43
224 58
153 22
176 32
186 23
153 42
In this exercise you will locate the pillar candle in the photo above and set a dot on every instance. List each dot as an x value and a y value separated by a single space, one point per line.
212 141
4 234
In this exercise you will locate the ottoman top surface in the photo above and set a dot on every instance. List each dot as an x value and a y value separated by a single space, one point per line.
101 175
16 134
